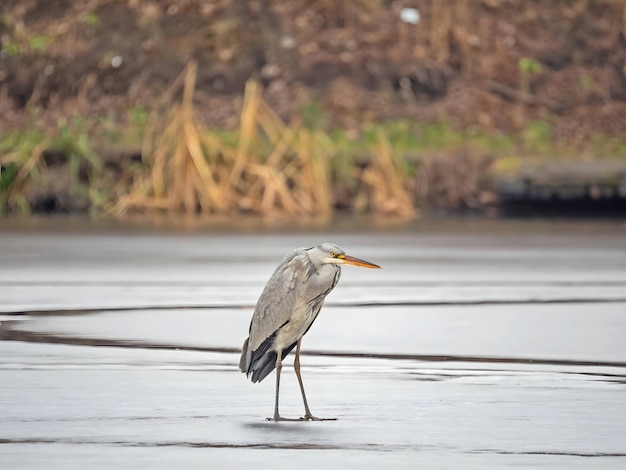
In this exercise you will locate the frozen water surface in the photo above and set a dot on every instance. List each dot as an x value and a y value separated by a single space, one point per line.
468 350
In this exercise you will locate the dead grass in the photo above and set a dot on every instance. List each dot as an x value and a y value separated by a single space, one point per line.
275 169
182 166
31 167
384 186
269 167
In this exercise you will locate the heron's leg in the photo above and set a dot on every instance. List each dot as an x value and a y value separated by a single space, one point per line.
307 413
279 367
296 367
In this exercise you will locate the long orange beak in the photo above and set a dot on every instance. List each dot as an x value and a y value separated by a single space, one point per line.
358 262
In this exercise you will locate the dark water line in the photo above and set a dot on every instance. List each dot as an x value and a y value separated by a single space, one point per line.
549 452
456 358
217 445
408 303
10 334
299 446
214 445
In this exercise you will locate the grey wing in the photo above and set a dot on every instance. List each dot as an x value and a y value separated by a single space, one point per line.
279 298
273 309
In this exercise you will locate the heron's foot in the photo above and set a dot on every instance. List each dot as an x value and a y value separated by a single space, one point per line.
310 417
280 418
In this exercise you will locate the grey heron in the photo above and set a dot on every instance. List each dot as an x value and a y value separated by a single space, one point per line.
286 309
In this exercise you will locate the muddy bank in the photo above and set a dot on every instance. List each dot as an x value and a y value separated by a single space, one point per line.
469 82
359 60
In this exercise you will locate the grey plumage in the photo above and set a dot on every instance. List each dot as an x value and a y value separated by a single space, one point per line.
286 298
288 306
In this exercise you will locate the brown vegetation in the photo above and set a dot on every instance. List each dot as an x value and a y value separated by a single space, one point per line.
553 73
193 170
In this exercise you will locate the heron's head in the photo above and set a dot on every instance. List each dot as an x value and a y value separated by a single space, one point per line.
333 254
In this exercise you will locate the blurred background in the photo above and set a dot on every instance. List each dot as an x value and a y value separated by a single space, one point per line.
309 108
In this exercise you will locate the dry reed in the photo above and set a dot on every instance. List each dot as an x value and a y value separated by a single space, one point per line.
32 168
180 176
383 188
275 169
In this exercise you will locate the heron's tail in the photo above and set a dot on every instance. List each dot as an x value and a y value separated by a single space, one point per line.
257 364
244 362
263 362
